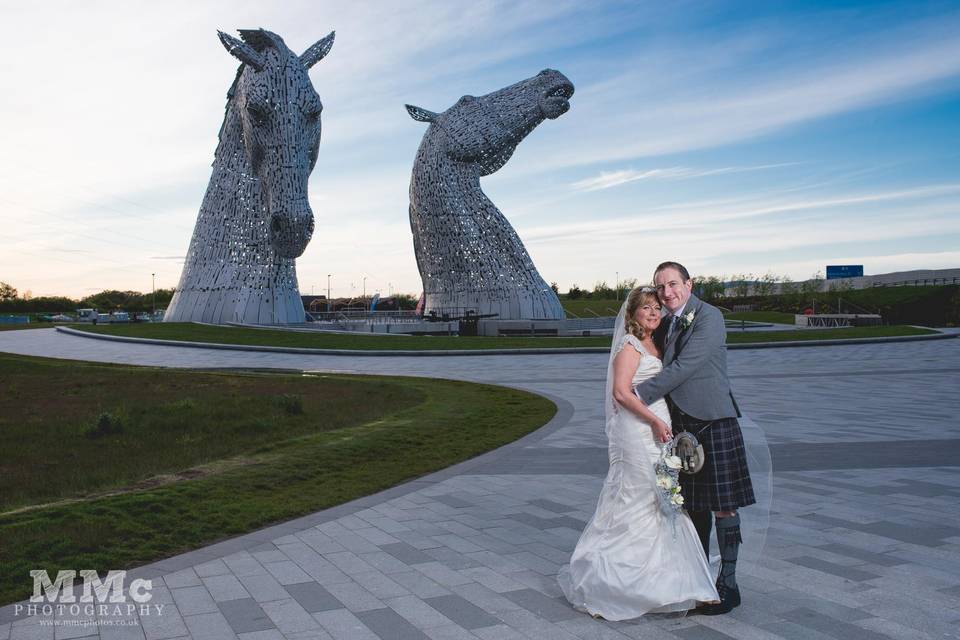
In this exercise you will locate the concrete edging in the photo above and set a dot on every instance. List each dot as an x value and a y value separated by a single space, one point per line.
475 352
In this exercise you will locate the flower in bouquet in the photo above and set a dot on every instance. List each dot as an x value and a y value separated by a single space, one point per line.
667 472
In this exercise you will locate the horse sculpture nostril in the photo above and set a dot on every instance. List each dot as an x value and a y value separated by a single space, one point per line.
276 226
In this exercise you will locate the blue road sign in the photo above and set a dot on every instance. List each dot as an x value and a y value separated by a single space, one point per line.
835 271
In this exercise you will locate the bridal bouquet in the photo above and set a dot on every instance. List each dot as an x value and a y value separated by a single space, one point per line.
667 470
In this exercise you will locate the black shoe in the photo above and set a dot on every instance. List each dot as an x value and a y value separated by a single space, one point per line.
729 600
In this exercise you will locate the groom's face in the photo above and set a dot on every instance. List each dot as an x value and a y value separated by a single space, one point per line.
672 290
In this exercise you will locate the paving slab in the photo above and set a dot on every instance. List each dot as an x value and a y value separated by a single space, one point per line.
865 442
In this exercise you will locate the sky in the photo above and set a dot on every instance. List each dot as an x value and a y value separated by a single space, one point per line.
733 137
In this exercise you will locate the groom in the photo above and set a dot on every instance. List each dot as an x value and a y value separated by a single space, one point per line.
692 338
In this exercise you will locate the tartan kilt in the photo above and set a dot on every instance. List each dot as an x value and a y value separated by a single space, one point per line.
723 484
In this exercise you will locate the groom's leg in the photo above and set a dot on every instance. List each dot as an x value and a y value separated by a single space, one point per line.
703 522
729 539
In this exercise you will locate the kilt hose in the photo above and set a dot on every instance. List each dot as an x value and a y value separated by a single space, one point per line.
723 484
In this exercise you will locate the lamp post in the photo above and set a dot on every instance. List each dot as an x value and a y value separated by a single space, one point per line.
618 285
365 291
153 286
328 292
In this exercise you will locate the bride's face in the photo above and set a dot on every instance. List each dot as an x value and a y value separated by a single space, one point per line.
648 315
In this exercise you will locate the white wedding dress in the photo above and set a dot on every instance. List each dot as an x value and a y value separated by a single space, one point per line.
630 559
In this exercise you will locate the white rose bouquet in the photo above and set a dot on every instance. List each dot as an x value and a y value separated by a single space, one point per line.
667 470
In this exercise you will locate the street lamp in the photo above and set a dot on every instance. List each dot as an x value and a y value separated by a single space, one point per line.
364 289
328 292
153 285
618 285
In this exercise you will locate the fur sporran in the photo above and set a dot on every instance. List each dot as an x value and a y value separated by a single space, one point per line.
690 452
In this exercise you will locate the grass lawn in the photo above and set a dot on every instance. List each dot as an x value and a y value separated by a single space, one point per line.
582 307
365 341
877 297
198 457
776 317
233 335
35 325
743 337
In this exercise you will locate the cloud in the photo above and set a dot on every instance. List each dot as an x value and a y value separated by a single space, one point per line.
643 113
679 216
607 180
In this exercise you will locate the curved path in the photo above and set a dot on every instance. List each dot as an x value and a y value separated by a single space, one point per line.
865 442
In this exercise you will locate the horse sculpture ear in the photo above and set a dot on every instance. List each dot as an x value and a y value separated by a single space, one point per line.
242 51
317 51
421 115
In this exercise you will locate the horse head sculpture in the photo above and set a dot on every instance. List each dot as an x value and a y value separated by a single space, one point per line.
486 130
256 218
469 256
279 111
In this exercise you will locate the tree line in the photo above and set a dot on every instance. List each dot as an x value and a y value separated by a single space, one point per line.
12 301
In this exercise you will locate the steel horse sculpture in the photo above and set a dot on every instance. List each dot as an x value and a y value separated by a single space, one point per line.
469 257
255 218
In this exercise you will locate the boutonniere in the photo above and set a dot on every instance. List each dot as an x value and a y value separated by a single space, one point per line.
687 319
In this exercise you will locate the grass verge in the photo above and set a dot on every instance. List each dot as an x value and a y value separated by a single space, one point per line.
776 317
592 307
266 337
172 481
745 337
360 341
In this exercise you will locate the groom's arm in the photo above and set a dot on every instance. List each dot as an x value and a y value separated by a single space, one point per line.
707 334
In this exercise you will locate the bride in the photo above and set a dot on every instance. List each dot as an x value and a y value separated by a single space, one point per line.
631 559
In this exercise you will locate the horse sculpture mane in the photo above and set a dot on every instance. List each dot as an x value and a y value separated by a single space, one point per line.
469 256
256 219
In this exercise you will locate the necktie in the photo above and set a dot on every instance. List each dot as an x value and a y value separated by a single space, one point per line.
673 327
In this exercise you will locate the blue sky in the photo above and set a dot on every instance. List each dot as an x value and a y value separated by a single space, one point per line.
734 137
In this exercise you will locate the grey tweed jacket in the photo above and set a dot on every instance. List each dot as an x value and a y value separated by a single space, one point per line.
694 372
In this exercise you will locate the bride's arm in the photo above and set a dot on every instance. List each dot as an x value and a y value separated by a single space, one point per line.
624 366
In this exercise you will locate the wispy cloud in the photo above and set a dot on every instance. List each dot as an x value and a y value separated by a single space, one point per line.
642 113
679 217
609 179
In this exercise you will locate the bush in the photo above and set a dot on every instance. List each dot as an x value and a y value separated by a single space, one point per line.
106 425
291 404
602 291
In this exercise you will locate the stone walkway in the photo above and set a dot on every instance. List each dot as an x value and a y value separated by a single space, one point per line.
863 538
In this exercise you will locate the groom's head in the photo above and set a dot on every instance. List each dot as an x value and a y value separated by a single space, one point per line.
673 284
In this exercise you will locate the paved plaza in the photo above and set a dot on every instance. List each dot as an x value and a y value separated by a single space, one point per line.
863 539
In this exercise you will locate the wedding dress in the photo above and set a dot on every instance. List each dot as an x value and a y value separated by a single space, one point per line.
632 558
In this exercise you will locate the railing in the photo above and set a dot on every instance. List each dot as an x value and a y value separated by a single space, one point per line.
918 282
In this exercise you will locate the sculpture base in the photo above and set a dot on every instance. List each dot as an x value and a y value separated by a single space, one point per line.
243 306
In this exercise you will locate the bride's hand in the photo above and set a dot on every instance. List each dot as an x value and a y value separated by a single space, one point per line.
661 431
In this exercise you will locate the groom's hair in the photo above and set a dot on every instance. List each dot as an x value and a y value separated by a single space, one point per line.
682 270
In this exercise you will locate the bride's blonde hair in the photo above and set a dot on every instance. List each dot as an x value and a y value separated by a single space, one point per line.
636 299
